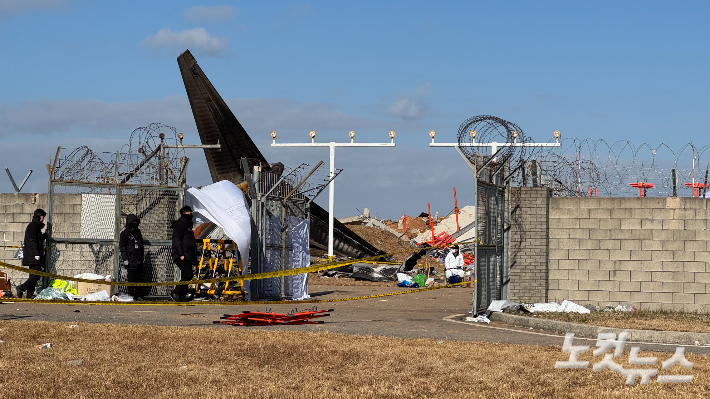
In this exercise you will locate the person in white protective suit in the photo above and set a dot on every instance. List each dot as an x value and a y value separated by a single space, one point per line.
454 266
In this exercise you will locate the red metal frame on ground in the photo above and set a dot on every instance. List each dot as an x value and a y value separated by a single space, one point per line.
248 318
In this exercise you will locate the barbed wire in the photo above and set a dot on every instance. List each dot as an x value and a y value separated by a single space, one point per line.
135 163
598 168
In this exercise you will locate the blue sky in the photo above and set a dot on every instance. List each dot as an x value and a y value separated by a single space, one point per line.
88 72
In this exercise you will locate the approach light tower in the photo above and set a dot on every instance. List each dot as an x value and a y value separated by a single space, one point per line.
495 148
331 189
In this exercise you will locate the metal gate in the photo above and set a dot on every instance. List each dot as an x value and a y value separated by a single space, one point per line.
491 259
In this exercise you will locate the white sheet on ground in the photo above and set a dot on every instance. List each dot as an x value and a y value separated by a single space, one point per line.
223 204
479 319
97 296
566 307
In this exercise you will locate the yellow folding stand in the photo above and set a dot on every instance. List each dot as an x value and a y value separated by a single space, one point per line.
218 253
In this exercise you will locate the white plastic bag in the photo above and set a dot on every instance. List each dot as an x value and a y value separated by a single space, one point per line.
97 296
122 297
402 277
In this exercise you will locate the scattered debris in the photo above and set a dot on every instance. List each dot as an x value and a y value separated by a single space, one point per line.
122 297
500 305
77 362
73 326
365 271
52 293
448 225
403 277
44 346
625 307
100 296
479 319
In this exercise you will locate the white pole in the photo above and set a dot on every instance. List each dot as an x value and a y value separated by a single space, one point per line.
331 201
331 189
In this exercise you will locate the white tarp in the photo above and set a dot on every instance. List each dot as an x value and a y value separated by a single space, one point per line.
223 203
566 307
301 258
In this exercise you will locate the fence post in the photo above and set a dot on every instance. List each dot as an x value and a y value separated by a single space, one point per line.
117 225
675 182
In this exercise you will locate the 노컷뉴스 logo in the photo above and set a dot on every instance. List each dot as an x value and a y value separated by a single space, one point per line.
607 341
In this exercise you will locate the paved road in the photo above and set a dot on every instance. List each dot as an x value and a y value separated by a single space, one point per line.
431 314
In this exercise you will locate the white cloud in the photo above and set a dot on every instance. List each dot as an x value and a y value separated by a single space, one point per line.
9 8
406 109
193 39
411 106
214 13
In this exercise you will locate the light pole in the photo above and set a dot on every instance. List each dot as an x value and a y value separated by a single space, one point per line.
331 189
494 150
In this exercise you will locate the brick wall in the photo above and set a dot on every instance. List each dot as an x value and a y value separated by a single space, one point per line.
16 212
650 252
528 244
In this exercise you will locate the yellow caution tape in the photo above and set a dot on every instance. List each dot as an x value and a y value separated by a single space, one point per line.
257 276
217 303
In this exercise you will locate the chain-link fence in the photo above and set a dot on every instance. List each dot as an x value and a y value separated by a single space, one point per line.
90 196
85 229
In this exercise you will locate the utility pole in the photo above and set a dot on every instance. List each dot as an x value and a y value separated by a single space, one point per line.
331 188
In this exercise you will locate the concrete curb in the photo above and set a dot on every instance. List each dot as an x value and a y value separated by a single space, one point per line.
590 331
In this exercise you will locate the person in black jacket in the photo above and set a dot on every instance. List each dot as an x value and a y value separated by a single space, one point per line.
33 252
184 251
132 253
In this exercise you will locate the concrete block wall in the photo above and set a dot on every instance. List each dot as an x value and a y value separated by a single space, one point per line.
529 244
650 252
16 212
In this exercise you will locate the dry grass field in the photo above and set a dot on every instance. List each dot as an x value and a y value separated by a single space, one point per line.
127 361
643 320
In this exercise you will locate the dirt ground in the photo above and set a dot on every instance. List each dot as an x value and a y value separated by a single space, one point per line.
384 240
130 361
642 320
415 226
